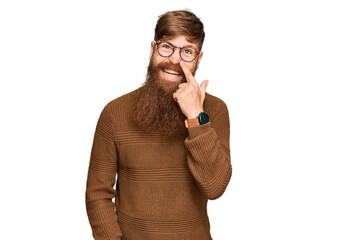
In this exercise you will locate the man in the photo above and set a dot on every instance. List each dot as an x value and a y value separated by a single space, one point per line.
165 145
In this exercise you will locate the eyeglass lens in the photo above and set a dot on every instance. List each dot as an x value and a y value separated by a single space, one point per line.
187 54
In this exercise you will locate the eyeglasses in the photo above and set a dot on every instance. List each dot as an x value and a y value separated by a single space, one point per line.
166 49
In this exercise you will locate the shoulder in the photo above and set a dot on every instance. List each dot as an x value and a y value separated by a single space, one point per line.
123 102
213 103
217 111
119 110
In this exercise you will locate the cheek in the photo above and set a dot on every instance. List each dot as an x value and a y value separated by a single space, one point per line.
192 67
157 60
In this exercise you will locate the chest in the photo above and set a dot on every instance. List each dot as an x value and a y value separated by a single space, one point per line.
138 150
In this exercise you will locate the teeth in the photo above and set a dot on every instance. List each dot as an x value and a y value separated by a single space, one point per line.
171 71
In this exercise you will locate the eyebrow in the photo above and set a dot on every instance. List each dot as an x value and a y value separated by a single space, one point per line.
186 46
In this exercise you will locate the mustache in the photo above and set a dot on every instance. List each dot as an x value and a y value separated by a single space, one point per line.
170 66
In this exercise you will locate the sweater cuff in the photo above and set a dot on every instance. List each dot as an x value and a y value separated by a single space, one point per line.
198 130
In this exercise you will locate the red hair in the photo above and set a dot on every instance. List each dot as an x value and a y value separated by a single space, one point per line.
180 22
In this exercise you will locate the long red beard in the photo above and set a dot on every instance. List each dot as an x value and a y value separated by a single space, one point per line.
156 111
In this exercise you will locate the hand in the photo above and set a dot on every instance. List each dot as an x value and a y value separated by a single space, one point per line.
190 96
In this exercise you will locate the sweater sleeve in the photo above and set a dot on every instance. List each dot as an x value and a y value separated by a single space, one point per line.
101 179
209 153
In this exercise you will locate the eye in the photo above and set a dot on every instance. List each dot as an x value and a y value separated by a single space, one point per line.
188 51
166 46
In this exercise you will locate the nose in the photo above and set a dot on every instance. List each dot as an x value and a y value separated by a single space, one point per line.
175 57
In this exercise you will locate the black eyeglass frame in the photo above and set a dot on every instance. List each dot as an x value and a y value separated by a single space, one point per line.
174 48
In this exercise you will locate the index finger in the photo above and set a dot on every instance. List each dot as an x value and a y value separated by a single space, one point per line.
188 74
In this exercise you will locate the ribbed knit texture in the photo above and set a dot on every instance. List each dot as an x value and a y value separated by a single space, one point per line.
162 183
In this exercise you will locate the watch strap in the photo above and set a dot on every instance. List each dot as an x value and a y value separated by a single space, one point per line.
191 122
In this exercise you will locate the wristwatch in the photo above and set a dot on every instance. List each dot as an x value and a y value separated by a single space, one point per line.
201 119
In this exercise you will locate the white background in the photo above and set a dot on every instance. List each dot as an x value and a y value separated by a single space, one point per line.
289 72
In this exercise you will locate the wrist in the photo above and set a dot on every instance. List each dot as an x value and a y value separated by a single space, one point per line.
202 118
194 114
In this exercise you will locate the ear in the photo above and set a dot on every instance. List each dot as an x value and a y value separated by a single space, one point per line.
200 55
152 45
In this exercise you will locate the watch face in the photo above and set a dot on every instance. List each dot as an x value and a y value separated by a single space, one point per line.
203 118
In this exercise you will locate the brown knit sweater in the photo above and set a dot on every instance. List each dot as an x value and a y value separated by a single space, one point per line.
162 183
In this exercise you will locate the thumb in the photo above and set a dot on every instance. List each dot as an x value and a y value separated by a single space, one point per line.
203 86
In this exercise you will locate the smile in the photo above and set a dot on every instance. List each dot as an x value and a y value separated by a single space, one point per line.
172 72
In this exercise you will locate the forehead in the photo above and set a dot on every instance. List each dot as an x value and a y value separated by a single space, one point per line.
180 41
